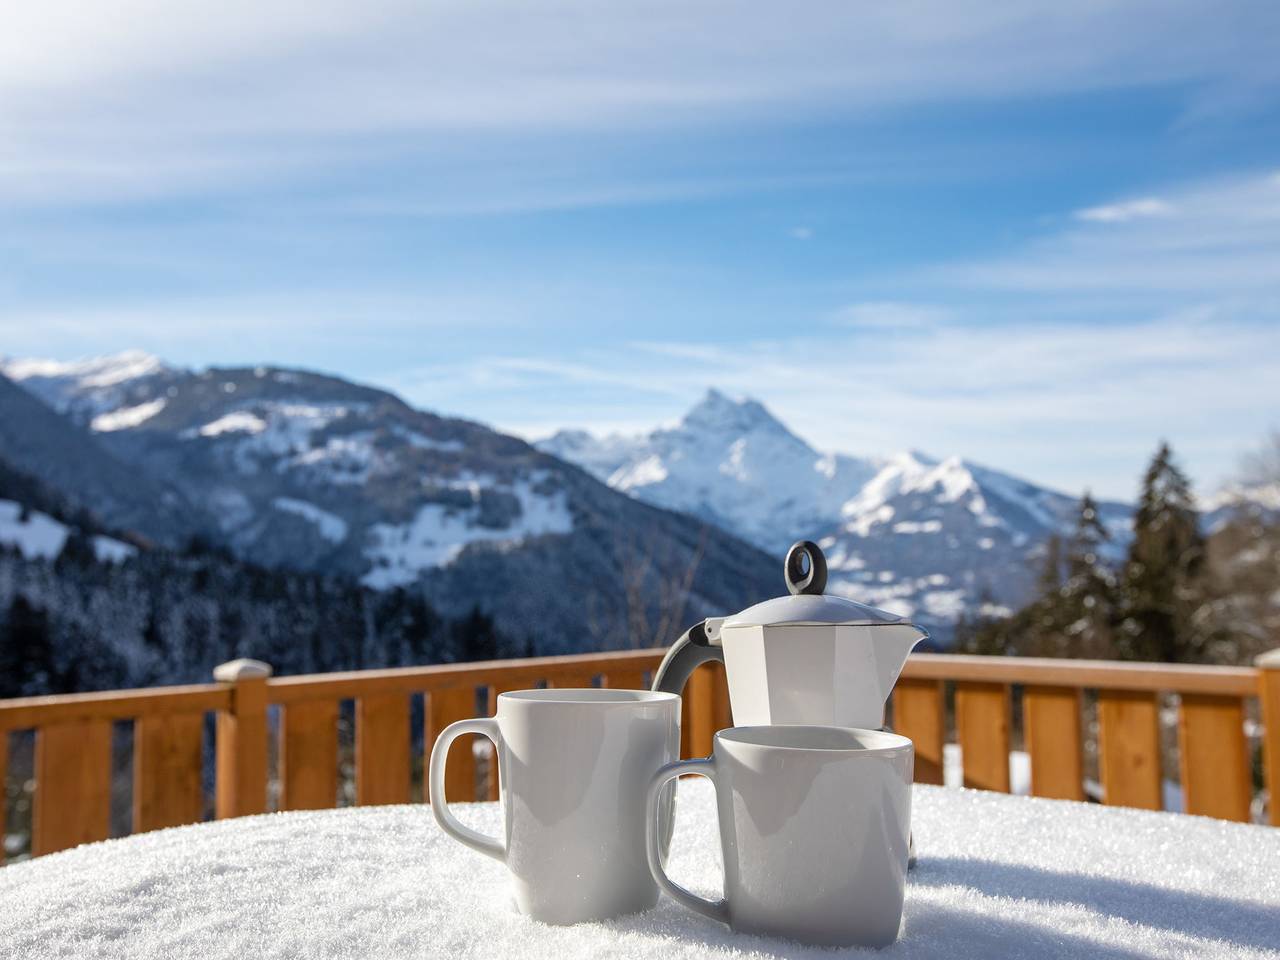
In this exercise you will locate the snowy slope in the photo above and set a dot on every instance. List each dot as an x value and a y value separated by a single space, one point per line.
922 537
313 472
38 536
932 539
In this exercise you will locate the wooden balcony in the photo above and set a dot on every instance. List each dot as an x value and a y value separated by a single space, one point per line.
1117 733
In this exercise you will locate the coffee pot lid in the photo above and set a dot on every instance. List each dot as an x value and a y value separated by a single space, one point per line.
805 570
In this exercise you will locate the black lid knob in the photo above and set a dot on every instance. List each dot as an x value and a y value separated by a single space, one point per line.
799 580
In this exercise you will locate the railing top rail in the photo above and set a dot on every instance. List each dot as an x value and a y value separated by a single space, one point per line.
25 712
30 712
330 686
1098 674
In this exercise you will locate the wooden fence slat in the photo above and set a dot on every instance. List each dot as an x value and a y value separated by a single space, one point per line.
982 726
571 679
168 771
1051 726
4 791
309 755
623 679
919 713
699 721
382 749
73 785
443 708
1129 748
1216 777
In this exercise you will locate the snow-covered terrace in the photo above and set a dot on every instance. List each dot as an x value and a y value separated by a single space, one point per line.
1056 878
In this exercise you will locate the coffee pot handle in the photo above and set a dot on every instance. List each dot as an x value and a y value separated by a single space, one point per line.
485 726
688 653
715 909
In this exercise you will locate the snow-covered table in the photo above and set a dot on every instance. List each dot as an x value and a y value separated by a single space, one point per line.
998 876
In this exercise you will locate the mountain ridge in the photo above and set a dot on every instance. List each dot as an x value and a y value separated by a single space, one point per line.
921 536
319 474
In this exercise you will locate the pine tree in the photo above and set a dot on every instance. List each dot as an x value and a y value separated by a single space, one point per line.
1051 574
1163 576
1088 608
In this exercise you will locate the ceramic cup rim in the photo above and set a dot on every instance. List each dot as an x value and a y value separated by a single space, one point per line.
816 738
587 696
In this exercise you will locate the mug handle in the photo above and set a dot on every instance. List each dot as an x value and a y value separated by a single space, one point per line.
488 727
715 909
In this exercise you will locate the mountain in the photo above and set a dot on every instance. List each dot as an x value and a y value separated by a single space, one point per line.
730 462
295 469
921 537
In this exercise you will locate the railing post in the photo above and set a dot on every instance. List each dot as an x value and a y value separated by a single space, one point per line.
1268 665
241 744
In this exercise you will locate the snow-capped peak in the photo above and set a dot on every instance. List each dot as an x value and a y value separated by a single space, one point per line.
727 459
719 413
104 371
89 389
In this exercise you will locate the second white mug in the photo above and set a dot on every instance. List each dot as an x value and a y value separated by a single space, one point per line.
813 828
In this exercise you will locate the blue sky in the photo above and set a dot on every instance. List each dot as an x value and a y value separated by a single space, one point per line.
1042 236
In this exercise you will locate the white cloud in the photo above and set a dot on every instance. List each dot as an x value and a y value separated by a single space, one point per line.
1128 210
801 233
138 98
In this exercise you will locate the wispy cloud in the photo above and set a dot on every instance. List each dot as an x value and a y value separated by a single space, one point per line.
1125 211
131 99
1223 242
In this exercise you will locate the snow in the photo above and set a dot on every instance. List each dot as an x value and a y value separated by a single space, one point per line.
127 417
38 537
106 371
333 528
110 550
917 526
421 442
997 877
238 421
41 537
645 473
944 604
439 533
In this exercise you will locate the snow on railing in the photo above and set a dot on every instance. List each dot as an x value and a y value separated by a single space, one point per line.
1130 734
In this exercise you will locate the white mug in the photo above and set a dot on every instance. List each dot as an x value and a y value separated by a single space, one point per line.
813 828
573 769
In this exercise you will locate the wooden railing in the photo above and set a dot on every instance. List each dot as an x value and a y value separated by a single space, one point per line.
1221 711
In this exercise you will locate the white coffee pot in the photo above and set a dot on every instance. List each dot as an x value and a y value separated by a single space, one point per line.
808 658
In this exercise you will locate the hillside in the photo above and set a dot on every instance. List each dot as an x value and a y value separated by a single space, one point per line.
313 473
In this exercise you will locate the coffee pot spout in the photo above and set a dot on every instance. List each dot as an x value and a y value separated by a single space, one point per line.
893 644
